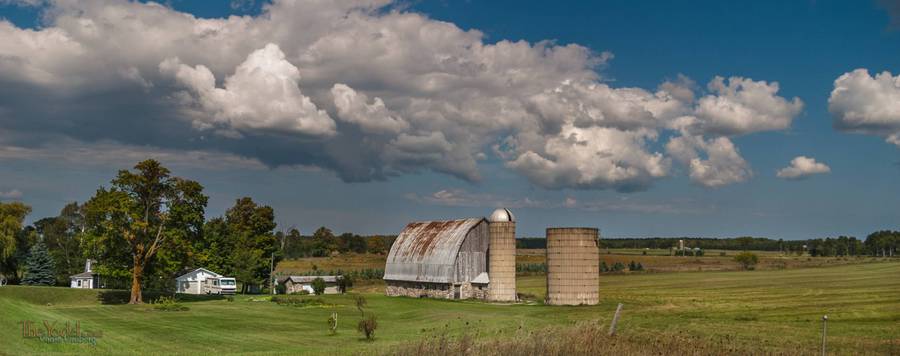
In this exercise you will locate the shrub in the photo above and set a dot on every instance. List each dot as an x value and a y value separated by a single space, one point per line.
344 282
168 304
618 267
748 260
531 268
318 286
367 326
297 302
603 267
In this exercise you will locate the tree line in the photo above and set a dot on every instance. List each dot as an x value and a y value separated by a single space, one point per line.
880 243
147 226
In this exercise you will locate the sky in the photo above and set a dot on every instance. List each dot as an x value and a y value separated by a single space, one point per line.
775 119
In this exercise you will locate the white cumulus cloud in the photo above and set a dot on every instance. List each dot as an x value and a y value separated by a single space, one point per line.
864 104
721 166
802 167
263 94
738 106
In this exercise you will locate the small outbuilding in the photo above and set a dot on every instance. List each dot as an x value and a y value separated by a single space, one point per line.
87 279
297 284
192 281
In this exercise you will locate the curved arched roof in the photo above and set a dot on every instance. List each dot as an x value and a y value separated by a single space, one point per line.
426 251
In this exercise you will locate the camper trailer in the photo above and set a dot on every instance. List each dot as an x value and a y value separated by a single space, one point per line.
219 285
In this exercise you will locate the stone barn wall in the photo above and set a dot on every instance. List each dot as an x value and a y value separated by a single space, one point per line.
418 289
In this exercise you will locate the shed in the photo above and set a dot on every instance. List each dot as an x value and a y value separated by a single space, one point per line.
87 279
192 281
439 259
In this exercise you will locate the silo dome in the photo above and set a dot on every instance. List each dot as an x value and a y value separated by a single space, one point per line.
502 215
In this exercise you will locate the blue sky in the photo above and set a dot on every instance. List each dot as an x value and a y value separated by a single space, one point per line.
49 157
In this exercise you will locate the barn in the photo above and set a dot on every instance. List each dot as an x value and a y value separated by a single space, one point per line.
440 259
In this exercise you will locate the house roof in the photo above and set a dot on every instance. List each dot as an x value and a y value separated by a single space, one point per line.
309 279
83 275
426 251
197 270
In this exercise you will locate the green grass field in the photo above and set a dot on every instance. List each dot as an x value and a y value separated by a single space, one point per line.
769 311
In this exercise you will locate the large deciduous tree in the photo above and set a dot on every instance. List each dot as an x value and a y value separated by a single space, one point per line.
14 239
251 228
144 213
12 215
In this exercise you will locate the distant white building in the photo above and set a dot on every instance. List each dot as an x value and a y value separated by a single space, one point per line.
192 282
87 279
295 284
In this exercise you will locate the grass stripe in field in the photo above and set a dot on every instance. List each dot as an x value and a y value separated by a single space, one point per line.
777 309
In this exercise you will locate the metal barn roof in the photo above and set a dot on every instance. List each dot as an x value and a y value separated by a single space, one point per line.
426 251
309 279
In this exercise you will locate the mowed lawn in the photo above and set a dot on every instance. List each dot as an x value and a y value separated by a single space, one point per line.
772 310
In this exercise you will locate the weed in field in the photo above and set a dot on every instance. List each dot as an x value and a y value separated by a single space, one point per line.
332 323
590 338
367 326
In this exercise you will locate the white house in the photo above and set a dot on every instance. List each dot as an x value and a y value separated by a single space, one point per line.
87 279
192 282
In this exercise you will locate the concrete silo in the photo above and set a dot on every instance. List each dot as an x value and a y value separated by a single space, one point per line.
572 266
502 256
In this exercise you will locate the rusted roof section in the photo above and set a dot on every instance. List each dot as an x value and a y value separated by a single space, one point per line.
426 251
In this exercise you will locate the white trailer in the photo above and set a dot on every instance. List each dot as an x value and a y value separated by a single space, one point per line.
219 285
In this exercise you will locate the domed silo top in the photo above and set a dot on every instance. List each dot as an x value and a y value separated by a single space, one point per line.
502 215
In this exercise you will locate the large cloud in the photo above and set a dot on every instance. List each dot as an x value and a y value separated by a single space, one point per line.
864 104
364 90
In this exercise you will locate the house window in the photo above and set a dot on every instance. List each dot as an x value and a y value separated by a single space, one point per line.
79 283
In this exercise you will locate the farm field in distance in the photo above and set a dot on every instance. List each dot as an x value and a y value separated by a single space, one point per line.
765 311
654 261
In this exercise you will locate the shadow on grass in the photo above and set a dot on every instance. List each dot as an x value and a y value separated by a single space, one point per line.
124 296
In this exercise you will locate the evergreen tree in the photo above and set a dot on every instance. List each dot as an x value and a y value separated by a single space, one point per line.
39 266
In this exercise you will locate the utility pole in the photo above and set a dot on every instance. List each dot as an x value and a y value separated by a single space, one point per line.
824 332
272 280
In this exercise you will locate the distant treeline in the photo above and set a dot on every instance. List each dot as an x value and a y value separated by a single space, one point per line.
324 243
879 243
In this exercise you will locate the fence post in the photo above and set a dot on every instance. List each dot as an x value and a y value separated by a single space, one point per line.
824 332
612 327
